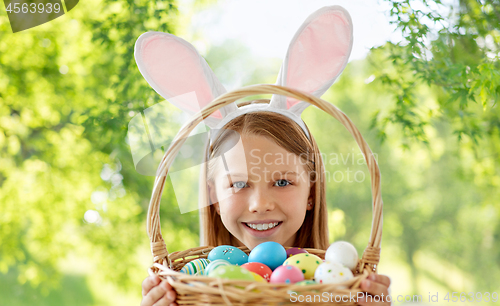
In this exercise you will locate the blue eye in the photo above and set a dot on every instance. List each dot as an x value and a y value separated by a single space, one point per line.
238 185
280 185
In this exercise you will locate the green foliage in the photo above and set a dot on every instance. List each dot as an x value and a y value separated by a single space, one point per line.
66 90
457 54
69 88
443 79
72 286
440 201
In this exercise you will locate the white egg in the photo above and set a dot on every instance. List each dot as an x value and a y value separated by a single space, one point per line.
343 253
332 273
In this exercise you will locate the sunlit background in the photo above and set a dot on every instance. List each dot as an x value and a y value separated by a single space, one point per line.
73 207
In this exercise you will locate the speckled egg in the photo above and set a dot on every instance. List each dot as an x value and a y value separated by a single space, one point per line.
232 254
270 253
294 251
215 264
232 272
259 268
195 267
286 275
332 273
307 263
344 253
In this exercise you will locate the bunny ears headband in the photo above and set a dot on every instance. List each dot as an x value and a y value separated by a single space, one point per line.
316 56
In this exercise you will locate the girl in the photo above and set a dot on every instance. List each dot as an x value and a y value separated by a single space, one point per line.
278 189
270 186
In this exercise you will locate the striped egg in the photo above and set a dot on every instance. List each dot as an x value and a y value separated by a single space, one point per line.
214 264
195 267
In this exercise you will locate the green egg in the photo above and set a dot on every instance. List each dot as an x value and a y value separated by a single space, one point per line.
306 282
232 272
215 264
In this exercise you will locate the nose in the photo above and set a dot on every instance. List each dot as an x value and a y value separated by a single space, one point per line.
261 202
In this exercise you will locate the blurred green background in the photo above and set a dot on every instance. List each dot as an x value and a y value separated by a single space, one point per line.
73 207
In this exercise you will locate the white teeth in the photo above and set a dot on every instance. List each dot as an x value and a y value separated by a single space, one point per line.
262 227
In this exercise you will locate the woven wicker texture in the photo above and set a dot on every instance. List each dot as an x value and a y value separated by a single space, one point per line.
201 290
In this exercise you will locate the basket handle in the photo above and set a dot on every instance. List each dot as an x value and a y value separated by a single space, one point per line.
371 254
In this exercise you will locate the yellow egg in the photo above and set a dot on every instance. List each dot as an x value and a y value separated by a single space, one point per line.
258 278
307 263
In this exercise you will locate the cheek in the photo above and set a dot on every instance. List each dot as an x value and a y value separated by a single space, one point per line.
296 206
223 195
230 206
228 196
296 198
297 209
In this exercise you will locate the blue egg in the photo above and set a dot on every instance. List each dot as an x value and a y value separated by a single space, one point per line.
270 253
232 254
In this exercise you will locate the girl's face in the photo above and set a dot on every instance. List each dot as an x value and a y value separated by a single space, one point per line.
263 195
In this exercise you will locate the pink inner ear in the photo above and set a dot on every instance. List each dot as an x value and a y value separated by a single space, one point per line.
319 53
176 70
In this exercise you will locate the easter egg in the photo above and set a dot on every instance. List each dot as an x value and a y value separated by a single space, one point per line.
195 267
287 275
306 282
215 264
270 253
258 268
306 262
232 272
258 278
344 253
303 283
232 254
294 251
332 273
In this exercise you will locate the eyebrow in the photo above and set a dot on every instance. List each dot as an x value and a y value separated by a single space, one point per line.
274 172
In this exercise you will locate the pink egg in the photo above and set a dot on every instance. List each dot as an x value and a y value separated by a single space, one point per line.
259 268
287 275
294 251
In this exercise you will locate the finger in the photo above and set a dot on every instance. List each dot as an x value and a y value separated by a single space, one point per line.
374 288
153 296
148 283
372 301
169 297
377 294
171 294
382 279
162 302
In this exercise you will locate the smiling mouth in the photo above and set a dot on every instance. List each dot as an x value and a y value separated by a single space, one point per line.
263 227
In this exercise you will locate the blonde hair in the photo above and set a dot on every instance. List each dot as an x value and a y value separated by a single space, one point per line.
289 135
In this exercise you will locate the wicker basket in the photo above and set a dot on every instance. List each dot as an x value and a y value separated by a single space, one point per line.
202 290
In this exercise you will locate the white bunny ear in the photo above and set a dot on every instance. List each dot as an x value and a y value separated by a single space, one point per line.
176 71
317 55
